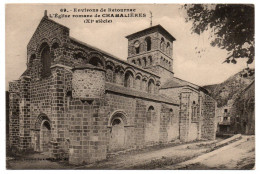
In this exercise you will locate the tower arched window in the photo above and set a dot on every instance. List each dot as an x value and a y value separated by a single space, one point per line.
151 60
145 62
162 44
139 62
148 43
137 47
168 48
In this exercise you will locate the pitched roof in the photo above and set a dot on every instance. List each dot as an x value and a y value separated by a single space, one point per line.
156 27
175 82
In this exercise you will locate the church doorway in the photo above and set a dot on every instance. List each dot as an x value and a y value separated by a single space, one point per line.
45 136
42 133
117 132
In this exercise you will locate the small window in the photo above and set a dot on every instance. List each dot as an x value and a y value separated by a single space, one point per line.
172 117
225 110
150 114
137 50
194 112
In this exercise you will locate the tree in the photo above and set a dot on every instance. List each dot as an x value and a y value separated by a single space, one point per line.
231 25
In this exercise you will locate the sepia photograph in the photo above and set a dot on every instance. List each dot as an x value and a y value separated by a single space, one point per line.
129 86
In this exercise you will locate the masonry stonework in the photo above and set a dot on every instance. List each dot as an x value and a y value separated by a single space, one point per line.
77 102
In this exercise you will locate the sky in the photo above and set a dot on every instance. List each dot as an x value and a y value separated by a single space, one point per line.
202 69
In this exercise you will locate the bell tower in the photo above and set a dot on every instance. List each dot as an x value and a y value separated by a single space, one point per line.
151 49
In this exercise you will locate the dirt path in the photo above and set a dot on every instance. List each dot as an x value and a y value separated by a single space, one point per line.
238 155
152 159
147 159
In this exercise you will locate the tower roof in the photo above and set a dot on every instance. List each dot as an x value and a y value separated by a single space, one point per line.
152 29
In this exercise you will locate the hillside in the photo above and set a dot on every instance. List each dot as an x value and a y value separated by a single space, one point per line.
229 88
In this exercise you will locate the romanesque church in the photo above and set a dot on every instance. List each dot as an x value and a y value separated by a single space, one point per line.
82 103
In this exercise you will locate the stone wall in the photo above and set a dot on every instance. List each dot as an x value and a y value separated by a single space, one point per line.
88 82
243 112
169 123
24 114
208 109
14 98
88 131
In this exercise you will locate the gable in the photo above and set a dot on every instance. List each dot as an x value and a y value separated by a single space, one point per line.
47 31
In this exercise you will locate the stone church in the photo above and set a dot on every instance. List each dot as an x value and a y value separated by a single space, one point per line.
82 103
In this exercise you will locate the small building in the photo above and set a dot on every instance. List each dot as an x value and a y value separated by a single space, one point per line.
224 118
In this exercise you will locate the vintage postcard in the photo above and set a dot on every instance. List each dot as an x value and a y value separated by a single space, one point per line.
130 86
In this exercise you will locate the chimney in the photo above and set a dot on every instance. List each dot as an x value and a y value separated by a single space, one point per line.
45 14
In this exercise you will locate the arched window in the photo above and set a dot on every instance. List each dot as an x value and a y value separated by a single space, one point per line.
109 73
194 111
151 60
148 43
129 79
46 60
119 72
133 61
96 62
54 47
151 86
171 116
144 84
168 48
162 44
80 58
139 62
137 47
145 63
138 82
150 114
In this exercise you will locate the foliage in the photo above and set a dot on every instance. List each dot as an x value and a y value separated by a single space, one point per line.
231 25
